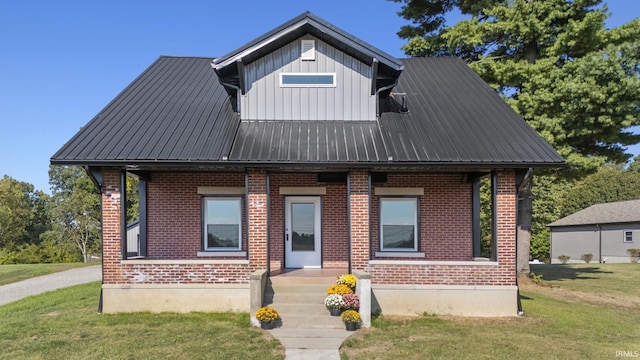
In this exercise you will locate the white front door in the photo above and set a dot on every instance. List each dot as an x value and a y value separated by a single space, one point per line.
302 233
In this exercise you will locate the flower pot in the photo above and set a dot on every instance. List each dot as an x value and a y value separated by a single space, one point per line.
267 325
335 312
351 326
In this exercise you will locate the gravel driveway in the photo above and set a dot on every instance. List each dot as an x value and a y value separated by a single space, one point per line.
37 285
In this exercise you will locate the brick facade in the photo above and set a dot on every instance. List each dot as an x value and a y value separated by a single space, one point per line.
335 230
445 232
175 229
174 232
425 273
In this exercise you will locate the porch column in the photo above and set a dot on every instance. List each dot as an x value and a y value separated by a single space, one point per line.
257 219
111 232
359 219
506 225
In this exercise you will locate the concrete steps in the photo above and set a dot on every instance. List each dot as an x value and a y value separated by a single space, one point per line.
300 302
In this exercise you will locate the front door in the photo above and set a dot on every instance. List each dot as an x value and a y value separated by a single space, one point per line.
302 232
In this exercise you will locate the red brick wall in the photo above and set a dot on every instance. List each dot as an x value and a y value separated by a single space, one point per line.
174 231
174 212
359 199
451 274
335 231
445 229
111 254
258 220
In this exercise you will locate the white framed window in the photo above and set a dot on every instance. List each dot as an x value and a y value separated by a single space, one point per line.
308 49
398 224
307 79
222 225
628 236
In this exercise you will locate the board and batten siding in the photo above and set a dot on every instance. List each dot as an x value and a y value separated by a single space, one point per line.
350 99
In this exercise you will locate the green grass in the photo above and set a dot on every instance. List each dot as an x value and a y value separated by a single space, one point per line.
613 279
13 273
64 324
555 325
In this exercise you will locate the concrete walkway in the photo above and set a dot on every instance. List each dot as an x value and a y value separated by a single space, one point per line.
37 285
311 344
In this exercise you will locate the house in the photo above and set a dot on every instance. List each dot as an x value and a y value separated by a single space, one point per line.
309 148
605 230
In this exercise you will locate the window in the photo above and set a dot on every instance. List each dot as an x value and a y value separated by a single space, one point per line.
628 236
222 223
399 224
307 79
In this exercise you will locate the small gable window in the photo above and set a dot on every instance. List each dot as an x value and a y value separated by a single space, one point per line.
307 79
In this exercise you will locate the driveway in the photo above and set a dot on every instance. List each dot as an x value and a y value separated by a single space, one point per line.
37 285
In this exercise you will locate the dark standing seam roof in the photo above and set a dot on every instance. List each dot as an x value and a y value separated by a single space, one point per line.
175 111
308 141
455 117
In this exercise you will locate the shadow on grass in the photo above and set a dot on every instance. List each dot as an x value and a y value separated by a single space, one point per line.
567 272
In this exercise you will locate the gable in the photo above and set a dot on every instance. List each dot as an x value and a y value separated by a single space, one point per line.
347 97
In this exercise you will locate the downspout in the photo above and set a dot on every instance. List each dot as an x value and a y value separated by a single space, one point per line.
98 183
599 243
349 218
522 185
268 224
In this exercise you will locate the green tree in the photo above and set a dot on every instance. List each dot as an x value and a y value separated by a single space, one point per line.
635 164
74 209
575 82
23 215
611 183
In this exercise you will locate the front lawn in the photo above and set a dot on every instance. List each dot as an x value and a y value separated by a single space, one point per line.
64 324
558 323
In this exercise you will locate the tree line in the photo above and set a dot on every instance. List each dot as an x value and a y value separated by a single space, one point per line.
36 227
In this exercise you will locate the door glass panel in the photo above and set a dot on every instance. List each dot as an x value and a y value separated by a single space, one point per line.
302 227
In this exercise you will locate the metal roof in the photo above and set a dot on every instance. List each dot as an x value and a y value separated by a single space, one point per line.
455 117
606 213
176 112
308 142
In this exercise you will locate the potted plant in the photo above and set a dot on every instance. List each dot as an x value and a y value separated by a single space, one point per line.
351 302
348 280
267 317
339 289
334 304
351 319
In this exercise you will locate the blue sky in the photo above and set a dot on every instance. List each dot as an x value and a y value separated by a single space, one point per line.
62 61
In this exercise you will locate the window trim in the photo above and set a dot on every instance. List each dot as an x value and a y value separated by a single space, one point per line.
624 236
282 85
205 248
416 223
